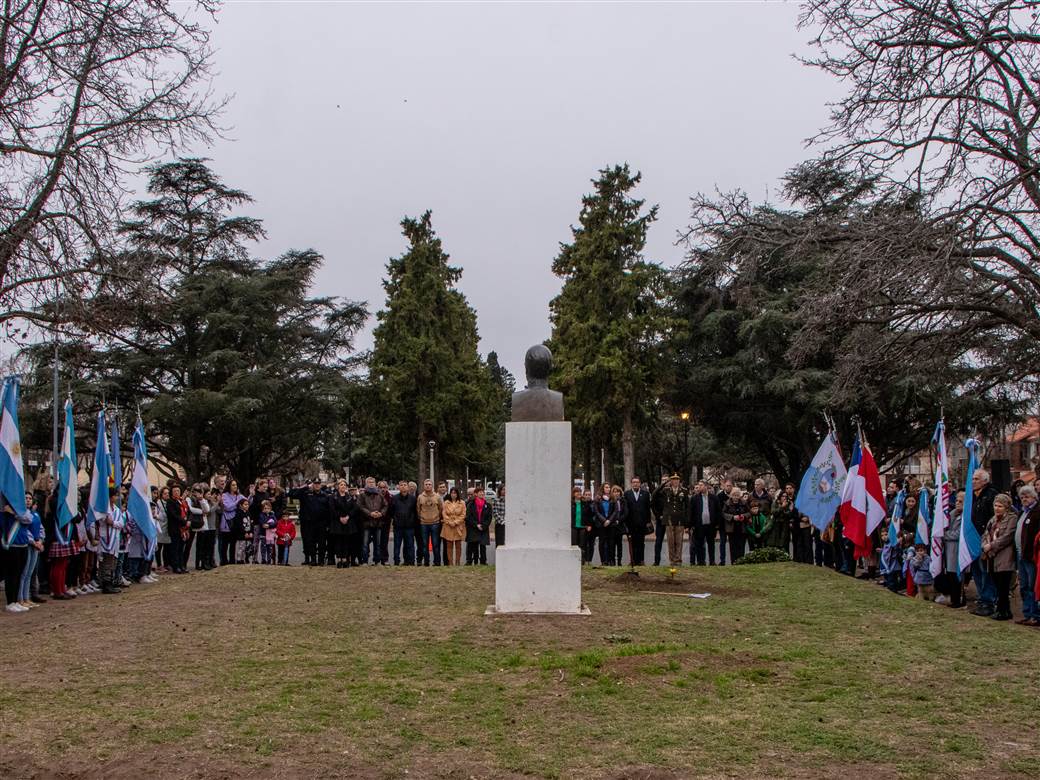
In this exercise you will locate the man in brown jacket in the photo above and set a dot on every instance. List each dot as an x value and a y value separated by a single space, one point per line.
372 505
430 507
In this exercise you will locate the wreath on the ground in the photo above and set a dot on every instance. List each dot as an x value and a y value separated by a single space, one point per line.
764 555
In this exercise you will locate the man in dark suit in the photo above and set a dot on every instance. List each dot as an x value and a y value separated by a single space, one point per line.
705 518
639 518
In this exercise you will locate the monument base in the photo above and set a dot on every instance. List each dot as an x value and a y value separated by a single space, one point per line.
538 580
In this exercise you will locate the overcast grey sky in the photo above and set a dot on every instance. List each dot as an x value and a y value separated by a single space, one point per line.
347 116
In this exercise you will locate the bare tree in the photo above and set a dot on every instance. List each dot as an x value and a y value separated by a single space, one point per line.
89 89
943 104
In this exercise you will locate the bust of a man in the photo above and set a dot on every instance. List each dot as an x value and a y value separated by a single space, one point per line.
538 403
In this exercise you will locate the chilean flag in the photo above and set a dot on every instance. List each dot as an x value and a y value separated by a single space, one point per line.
862 501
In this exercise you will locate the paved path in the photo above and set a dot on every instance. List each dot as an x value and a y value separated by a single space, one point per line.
296 555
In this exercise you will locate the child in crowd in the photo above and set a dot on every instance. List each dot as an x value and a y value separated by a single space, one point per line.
890 558
87 575
36 544
137 549
285 532
759 525
109 536
920 567
62 551
243 527
906 539
268 527
122 559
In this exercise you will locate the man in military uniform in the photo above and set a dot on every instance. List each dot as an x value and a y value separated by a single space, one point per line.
674 504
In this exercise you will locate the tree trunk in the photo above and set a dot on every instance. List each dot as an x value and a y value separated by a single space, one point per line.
627 447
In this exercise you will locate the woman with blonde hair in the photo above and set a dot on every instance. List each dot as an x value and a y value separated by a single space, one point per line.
453 527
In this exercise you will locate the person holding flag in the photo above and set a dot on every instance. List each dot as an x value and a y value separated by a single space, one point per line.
98 504
110 532
978 509
941 513
15 519
820 492
862 502
140 523
891 559
66 511
923 532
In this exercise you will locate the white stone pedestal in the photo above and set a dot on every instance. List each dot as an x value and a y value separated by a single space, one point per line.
538 570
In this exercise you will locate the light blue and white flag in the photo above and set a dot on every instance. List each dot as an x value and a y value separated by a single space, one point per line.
99 505
115 459
924 518
819 495
68 473
12 476
139 505
896 521
969 546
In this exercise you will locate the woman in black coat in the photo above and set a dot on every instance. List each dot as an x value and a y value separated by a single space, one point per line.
342 524
177 526
479 519
610 513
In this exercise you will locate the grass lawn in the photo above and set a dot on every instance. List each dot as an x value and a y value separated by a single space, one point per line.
786 670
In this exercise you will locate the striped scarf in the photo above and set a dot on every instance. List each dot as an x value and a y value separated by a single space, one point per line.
110 534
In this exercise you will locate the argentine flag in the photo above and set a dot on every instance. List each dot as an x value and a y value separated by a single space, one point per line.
139 505
820 492
969 546
896 521
12 478
99 505
68 473
924 518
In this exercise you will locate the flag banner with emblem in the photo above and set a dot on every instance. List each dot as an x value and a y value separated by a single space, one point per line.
941 512
819 495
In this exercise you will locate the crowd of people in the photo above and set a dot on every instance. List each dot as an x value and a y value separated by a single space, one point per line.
724 519
344 525
339 525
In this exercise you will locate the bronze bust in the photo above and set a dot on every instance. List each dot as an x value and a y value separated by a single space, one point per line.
538 403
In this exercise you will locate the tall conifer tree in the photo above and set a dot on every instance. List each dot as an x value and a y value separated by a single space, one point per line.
428 380
607 319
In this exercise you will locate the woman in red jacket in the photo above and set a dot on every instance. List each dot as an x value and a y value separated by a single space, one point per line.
479 517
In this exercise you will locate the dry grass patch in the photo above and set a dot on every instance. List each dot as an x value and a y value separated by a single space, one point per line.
257 671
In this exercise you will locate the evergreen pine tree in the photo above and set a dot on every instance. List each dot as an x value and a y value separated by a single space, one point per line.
607 319
427 380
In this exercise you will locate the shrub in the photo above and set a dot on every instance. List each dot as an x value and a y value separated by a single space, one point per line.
764 555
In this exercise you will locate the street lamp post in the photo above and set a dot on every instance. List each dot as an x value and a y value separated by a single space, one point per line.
433 446
686 441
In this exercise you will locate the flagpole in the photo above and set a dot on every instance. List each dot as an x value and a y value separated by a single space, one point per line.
54 438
